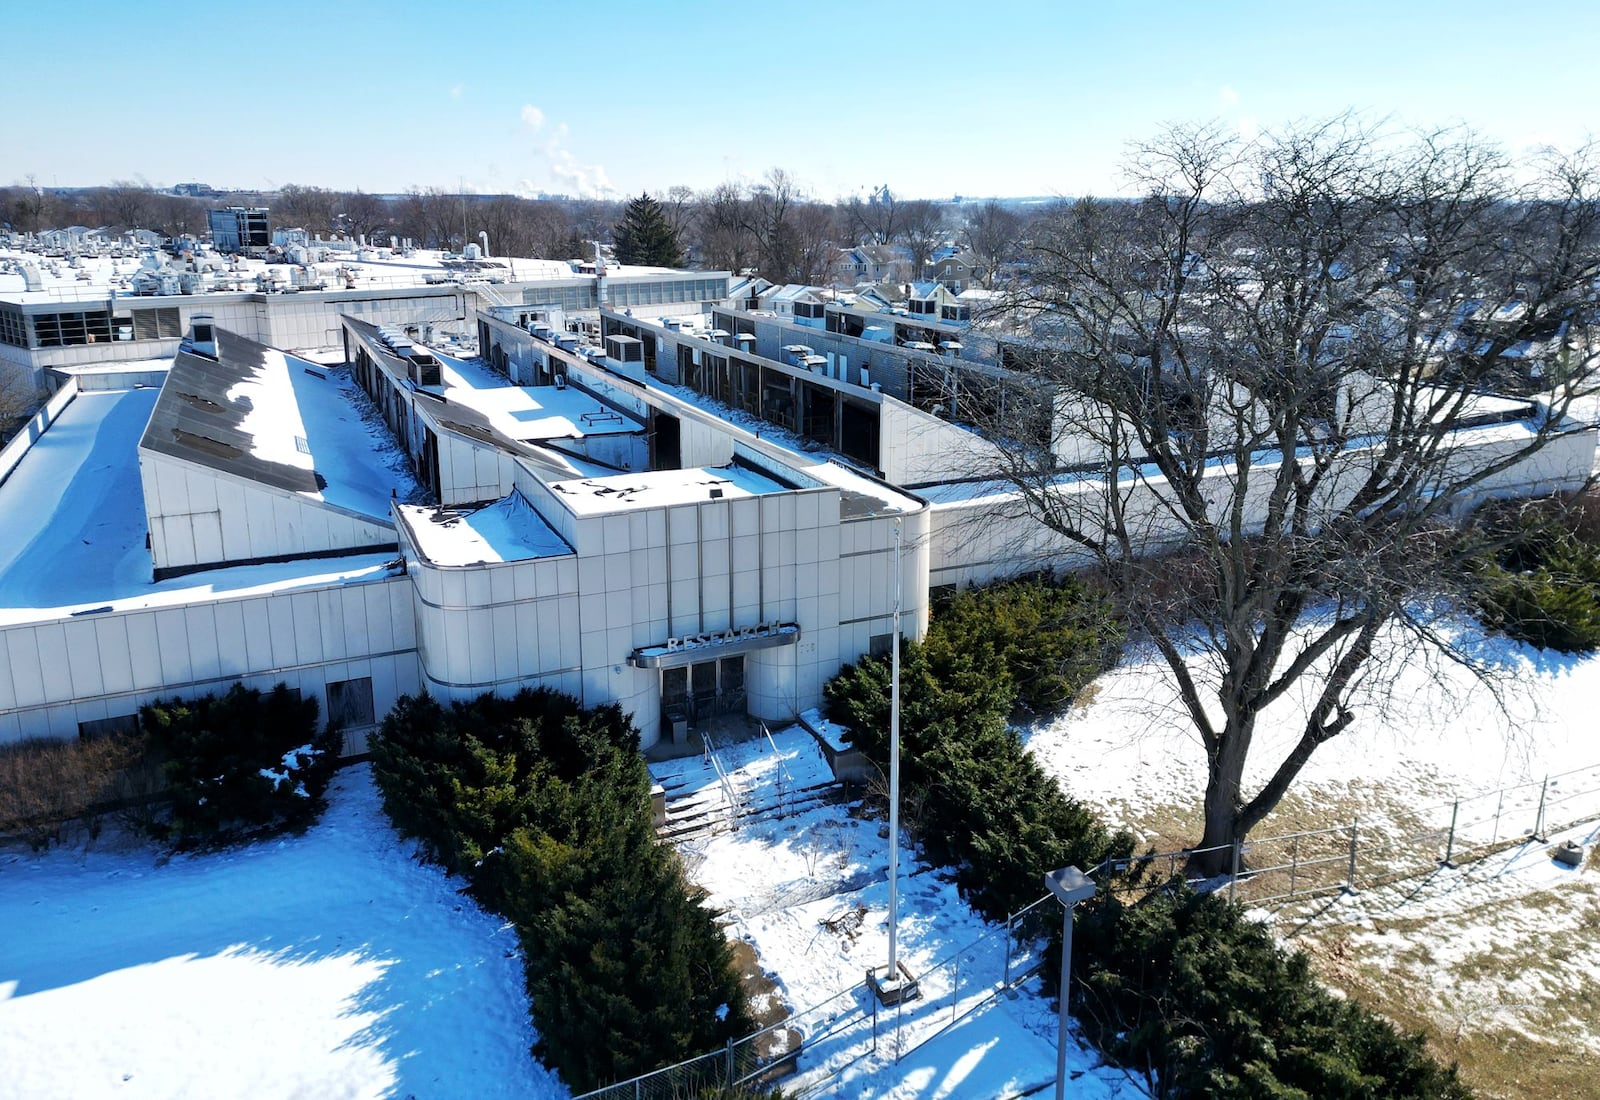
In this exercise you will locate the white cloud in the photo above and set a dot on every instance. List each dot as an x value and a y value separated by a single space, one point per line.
455 93
567 174
1227 97
588 181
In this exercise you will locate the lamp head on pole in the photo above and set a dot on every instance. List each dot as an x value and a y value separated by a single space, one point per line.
1069 885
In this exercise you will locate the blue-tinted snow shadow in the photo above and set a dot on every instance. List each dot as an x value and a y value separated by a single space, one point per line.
286 902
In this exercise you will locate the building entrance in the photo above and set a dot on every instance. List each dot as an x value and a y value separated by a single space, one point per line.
703 690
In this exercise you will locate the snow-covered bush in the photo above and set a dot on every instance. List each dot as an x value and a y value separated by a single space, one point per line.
544 807
240 765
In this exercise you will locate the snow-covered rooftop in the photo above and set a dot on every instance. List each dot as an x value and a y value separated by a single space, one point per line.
530 414
330 266
73 517
660 488
273 418
507 530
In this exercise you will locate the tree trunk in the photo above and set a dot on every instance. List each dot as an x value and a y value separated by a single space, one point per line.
1214 855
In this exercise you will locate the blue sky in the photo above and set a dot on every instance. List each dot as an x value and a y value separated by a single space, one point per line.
933 98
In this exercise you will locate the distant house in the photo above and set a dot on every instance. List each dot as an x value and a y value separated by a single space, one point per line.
930 299
747 289
960 271
880 296
792 300
877 263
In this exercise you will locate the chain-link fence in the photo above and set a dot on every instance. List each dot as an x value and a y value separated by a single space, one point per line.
1375 852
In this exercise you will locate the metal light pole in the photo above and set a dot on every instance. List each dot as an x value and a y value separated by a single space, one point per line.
894 772
1070 886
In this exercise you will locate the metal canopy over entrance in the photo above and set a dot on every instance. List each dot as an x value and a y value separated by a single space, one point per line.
681 652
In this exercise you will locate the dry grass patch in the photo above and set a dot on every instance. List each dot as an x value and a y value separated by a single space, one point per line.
1506 987
50 787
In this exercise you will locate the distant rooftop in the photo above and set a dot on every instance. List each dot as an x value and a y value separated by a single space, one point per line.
130 271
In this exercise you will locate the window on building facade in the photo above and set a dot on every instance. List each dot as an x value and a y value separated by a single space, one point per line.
13 328
59 330
115 726
350 703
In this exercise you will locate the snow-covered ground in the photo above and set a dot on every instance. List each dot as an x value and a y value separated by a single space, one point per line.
809 891
327 965
1437 733
1495 957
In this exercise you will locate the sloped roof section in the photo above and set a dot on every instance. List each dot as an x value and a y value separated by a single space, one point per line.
266 416
235 414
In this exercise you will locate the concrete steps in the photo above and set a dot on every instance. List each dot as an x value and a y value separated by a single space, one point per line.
704 812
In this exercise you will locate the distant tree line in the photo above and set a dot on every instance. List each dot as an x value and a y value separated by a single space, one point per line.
774 226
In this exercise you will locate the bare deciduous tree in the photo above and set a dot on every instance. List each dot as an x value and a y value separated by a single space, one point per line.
921 229
29 207
719 234
991 234
129 204
313 209
1277 371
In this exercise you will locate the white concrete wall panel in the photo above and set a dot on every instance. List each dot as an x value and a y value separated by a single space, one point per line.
58 674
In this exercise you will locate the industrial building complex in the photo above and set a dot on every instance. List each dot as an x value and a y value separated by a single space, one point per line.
375 472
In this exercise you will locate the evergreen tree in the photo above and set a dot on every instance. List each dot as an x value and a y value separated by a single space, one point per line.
645 237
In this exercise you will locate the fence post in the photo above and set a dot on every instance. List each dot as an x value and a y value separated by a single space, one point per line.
955 991
730 1064
1450 844
1233 878
873 997
1538 823
1005 961
1350 877
637 1085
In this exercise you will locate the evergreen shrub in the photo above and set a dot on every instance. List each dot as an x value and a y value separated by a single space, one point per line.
544 807
974 799
1052 636
1179 985
1187 988
1537 577
239 765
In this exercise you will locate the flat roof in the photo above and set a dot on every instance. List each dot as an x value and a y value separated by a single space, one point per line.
861 497
73 516
95 277
530 414
661 488
261 414
507 530
122 366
